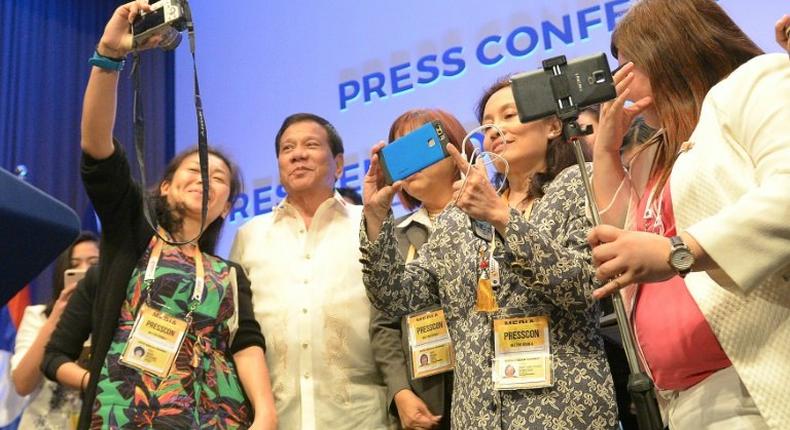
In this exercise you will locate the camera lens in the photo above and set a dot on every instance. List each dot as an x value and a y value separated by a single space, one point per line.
171 38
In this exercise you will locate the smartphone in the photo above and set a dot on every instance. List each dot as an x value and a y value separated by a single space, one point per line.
72 276
413 152
589 81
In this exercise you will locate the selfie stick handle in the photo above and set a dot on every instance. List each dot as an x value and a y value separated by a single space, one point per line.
640 386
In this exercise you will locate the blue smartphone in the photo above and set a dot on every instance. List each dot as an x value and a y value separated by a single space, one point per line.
413 152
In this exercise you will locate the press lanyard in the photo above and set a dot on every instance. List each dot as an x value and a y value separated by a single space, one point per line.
150 273
410 254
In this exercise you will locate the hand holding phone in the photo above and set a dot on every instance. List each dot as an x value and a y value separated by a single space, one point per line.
70 279
72 276
413 152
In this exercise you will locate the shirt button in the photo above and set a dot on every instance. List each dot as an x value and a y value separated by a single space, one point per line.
301 231
304 345
307 256
305 281
306 375
304 310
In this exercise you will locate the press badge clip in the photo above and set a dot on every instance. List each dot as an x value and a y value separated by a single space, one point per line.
522 353
429 343
154 342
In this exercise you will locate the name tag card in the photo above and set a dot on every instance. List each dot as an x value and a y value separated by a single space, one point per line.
154 342
430 344
522 353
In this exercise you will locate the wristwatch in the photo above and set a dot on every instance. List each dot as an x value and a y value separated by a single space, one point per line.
680 257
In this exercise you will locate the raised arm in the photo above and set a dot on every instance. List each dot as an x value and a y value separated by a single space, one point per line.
73 328
611 185
394 287
28 356
99 105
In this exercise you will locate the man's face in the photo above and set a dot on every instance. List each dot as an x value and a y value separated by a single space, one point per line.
305 160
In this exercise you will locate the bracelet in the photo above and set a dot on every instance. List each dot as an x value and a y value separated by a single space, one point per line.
82 381
106 63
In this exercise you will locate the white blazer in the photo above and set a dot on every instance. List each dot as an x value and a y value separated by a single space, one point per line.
731 192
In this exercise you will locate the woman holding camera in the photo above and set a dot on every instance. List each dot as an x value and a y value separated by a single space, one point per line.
52 405
708 198
512 274
174 340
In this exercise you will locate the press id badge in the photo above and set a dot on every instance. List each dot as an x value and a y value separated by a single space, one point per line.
429 343
522 353
154 342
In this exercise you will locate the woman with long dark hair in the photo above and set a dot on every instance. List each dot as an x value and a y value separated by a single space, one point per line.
52 405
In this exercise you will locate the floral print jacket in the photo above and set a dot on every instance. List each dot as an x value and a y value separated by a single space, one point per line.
545 269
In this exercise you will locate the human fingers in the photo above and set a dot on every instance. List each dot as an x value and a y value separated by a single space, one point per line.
603 253
613 286
135 8
459 160
611 269
68 290
603 233
782 29
377 147
622 72
637 107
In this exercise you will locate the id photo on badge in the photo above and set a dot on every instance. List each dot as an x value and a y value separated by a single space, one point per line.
139 351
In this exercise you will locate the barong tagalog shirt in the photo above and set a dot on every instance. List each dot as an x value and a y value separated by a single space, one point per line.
308 294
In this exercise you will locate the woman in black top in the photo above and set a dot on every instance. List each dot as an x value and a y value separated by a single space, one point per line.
208 368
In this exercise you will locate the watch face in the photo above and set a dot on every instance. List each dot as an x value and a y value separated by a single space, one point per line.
681 259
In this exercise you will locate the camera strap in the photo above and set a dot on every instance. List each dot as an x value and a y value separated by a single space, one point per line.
139 137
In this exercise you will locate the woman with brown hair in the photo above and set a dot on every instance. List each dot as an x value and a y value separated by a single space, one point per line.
418 402
708 198
511 274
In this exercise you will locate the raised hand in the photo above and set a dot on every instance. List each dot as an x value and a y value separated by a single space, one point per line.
376 196
116 41
476 196
783 32
615 117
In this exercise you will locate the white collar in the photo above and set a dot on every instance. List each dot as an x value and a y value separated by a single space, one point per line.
420 216
285 208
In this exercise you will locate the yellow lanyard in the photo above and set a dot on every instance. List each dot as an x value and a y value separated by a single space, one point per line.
200 274
410 254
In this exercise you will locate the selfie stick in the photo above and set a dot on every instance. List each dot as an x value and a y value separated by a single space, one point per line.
639 384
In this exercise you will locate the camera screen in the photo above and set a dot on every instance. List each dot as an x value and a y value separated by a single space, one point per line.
148 22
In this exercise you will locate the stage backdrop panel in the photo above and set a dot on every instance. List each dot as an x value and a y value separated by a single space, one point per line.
361 64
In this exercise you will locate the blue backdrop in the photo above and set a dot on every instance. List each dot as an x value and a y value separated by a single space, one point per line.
44 51
361 64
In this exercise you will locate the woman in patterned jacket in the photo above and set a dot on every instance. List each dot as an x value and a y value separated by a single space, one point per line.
535 233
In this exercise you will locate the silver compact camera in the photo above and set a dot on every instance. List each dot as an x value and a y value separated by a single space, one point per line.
167 18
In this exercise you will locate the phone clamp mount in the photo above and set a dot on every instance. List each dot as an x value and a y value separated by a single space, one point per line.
640 386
